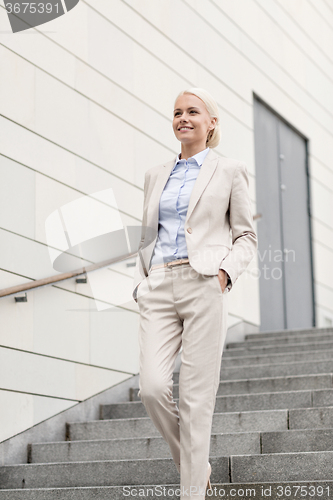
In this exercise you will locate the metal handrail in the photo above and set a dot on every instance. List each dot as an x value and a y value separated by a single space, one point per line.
61 277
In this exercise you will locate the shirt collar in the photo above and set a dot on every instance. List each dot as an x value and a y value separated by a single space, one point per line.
199 157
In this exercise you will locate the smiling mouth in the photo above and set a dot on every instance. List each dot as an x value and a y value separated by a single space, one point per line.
185 128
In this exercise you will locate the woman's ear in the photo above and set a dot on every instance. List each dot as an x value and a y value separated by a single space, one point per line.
209 135
213 123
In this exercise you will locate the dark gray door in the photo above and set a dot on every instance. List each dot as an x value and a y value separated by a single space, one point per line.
284 231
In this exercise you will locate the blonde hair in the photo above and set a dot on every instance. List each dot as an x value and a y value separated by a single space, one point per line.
213 136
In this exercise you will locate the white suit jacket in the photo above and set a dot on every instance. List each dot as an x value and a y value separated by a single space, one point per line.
218 227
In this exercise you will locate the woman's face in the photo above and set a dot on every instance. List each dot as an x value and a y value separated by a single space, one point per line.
191 121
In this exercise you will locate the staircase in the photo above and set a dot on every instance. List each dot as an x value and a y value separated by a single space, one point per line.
272 434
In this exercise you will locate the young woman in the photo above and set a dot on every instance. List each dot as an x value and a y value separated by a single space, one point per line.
182 278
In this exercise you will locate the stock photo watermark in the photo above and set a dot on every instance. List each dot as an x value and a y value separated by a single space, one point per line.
25 15
265 490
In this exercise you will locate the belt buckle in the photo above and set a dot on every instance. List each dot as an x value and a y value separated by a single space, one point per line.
177 263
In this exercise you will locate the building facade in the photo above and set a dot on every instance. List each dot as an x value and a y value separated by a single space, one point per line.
86 108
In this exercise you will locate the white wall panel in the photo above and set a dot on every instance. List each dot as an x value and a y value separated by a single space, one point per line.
322 203
243 302
147 154
323 269
27 257
324 302
205 44
39 50
17 318
230 104
59 329
73 331
320 172
266 66
125 18
236 141
32 373
42 375
114 339
72 30
117 64
50 196
36 152
123 104
260 63
69 169
152 79
17 198
77 327
61 115
280 27
92 132
17 89
312 18
21 411
63 321
321 233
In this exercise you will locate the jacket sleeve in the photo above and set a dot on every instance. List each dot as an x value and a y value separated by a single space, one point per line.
244 238
139 271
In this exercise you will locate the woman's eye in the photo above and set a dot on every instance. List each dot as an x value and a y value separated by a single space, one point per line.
193 111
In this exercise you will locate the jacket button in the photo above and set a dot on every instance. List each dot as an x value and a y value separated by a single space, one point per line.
189 230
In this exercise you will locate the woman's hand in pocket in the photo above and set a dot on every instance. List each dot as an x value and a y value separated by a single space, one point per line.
223 279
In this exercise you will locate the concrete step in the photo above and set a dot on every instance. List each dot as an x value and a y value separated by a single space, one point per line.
292 441
297 368
288 333
263 420
246 421
270 370
237 403
313 418
265 384
277 349
273 422
283 340
101 473
322 397
298 490
276 359
309 466
240 443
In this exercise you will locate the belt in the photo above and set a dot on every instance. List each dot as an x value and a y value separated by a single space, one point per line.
173 263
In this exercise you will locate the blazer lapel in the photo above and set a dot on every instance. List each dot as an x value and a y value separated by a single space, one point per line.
206 172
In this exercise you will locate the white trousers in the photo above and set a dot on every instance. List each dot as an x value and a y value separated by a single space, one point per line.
180 307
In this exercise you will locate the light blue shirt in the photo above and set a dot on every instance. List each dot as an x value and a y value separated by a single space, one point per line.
171 244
